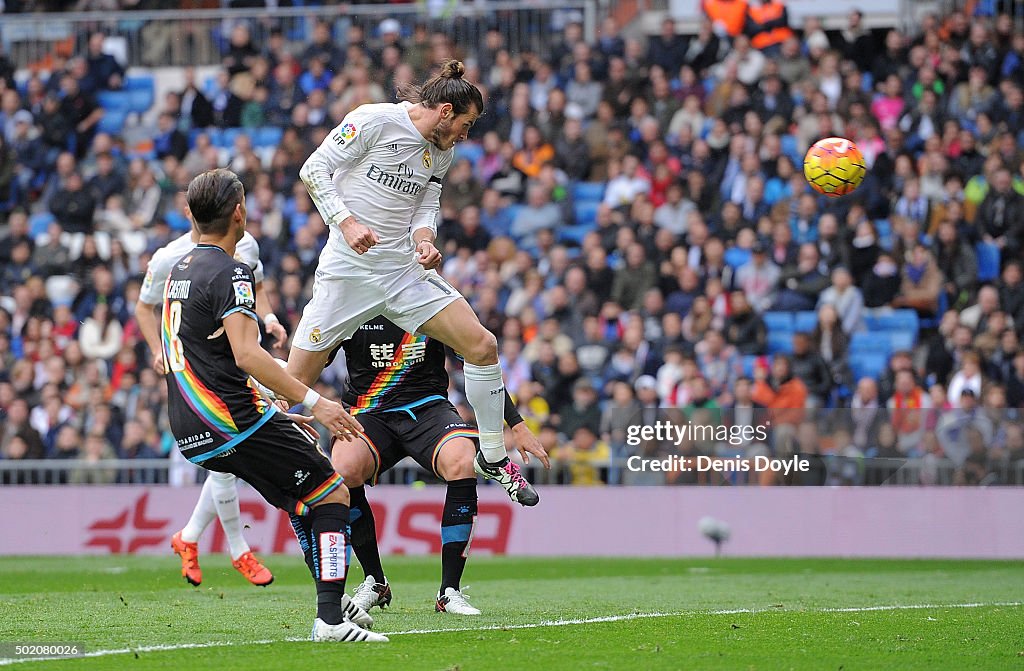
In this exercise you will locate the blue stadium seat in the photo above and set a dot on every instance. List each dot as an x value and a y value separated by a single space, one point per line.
778 321
805 321
139 83
226 138
780 342
586 213
212 133
37 224
737 257
884 229
140 100
892 320
469 150
588 191
867 364
988 261
867 342
574 234
789 148
210 86
112 122
902 340
268 136
114 101
177 221
933 322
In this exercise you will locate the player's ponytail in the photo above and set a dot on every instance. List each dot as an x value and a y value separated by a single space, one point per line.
452 69
448 86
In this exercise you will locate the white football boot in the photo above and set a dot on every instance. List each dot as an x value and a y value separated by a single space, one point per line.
510 477
346 632
371 593
355 614
455 602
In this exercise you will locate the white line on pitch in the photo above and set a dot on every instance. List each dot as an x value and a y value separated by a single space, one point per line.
534 625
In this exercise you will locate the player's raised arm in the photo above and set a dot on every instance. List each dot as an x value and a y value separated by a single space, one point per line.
343 148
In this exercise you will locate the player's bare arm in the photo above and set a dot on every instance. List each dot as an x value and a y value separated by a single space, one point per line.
243 334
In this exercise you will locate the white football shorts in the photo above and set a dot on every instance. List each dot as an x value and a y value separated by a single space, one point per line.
347 295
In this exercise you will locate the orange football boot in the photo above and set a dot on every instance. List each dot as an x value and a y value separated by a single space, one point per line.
189 553
253 570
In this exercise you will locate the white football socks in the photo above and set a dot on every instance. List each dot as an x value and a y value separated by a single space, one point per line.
485 391
204 513
225 498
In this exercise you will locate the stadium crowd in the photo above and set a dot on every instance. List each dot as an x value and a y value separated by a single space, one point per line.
630 219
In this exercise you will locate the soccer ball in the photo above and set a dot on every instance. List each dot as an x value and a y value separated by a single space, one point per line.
834 166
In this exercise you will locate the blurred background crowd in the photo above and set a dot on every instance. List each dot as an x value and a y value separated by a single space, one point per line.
629 217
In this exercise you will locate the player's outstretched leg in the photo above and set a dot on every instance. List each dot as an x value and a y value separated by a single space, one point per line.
374 590
455 464
323 537
225 499
458 327
185 543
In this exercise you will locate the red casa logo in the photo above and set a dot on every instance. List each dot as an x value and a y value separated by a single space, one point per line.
129 530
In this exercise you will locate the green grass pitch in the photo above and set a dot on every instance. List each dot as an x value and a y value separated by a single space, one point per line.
538 614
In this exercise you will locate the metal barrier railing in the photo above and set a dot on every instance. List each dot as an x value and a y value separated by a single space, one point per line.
827 471
200 37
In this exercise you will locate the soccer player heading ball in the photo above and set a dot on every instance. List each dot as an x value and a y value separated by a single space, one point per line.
376 180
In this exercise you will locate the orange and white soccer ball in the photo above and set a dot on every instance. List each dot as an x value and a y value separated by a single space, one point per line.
834 166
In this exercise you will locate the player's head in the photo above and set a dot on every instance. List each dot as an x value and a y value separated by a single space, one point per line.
216 200
456 102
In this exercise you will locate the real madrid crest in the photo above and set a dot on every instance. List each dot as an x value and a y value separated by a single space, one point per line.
314 336
426 158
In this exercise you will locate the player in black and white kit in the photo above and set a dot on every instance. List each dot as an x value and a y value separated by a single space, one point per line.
398 389
376 180
210 342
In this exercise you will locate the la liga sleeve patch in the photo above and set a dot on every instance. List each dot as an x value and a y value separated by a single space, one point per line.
346 133
244 294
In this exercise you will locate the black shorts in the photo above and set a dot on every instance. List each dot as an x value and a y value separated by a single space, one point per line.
283 463
392 436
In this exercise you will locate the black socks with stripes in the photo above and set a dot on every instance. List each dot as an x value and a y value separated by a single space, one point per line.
323 537
457 530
